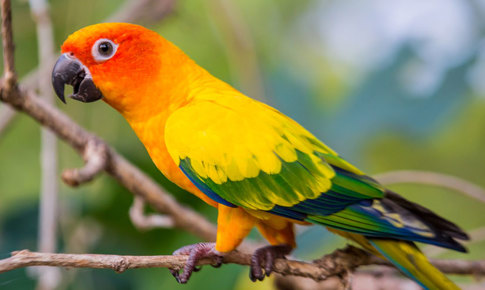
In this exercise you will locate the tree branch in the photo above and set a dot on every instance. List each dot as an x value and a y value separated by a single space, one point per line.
10 78
144 221
96 157
341 261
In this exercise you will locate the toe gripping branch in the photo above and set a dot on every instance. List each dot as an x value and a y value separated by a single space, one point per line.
266 256
196 252
262 260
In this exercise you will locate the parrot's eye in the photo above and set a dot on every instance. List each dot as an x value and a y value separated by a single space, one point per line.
103 49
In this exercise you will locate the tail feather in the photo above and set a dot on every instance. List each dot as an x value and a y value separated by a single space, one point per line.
406 257
412 262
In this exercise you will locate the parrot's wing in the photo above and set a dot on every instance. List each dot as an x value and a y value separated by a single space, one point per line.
249 155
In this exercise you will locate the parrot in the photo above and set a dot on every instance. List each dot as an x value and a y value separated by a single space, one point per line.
256 166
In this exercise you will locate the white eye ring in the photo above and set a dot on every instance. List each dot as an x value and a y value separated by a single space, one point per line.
103 49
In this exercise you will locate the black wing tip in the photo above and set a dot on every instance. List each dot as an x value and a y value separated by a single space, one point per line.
438 223
447 241
460 235
445 231
461 248
452 244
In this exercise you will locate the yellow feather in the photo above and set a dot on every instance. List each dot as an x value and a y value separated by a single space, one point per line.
285 151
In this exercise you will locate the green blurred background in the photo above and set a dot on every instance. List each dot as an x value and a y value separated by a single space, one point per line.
388 84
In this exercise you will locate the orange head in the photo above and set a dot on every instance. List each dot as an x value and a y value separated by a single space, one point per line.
130 67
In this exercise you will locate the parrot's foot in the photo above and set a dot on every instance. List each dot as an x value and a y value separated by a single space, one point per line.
195 252
268 255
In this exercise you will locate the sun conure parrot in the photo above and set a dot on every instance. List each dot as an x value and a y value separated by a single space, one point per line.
258 167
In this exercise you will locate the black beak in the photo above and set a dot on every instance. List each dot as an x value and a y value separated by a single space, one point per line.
69 70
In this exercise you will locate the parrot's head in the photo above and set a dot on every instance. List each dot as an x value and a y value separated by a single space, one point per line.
116 62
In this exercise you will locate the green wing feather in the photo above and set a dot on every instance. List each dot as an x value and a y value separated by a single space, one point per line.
259 161
244 153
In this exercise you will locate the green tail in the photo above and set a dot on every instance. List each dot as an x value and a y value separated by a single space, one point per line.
409 259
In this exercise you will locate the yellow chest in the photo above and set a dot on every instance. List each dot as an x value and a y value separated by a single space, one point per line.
151 133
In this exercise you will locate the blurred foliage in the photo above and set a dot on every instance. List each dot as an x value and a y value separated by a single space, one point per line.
374 116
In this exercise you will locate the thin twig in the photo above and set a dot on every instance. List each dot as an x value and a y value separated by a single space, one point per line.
10 77
96 157
438 179
144 221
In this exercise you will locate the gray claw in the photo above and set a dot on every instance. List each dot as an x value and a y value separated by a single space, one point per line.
266 255
195 252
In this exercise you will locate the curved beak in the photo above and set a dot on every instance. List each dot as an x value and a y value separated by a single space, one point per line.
68 70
